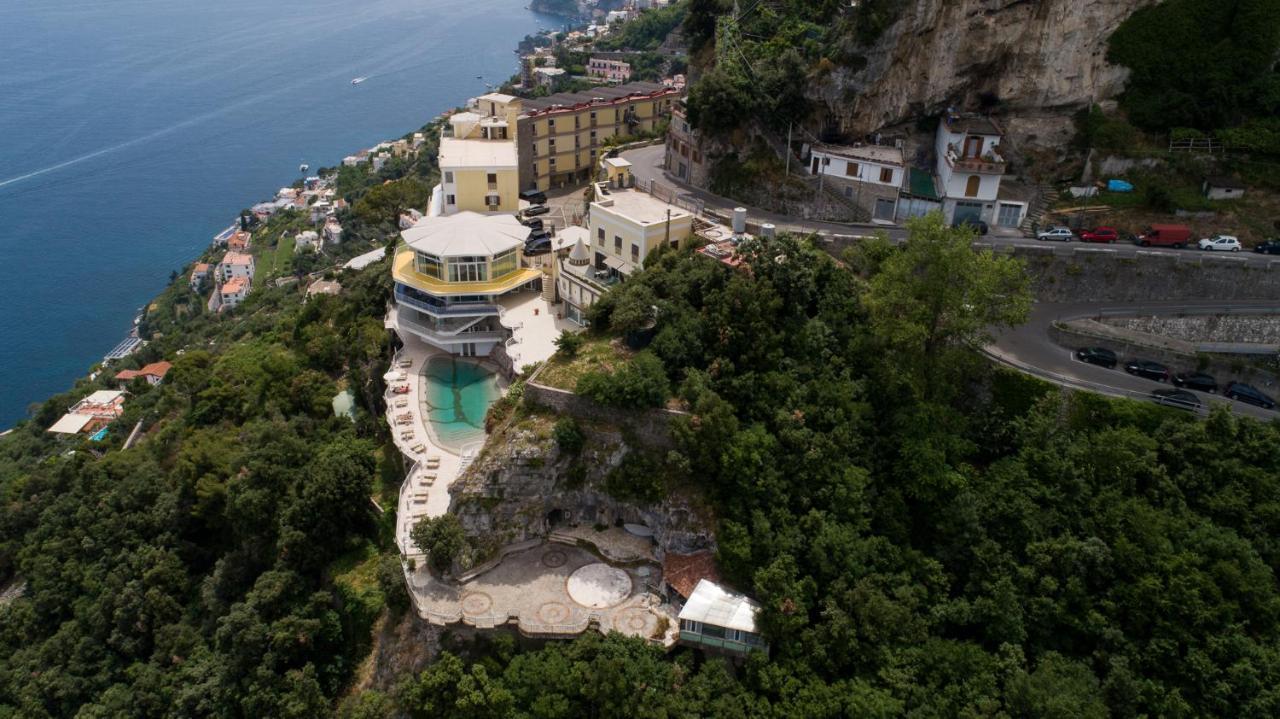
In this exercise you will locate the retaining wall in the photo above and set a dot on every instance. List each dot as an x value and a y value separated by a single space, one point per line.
652 428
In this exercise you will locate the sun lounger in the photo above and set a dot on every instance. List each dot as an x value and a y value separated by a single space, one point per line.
402 402
419 448
405 363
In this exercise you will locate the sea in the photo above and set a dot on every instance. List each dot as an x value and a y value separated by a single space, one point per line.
132 131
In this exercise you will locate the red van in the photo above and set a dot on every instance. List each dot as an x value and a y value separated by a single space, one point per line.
1165 236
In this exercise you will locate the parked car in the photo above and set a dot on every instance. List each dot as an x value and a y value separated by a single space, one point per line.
1249 394
1100 234
1100 356
1270 247
1164 236
1221 243
1059 232
535 210
1179 398
533 223
1148 369
1196 380
537 246
538 234
535 197
977 225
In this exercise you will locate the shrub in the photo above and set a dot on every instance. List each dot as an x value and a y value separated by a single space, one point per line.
568 343
441 538
638 384
568 435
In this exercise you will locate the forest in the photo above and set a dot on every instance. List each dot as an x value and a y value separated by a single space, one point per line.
928 535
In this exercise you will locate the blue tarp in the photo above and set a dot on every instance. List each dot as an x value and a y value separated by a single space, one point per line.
1119 186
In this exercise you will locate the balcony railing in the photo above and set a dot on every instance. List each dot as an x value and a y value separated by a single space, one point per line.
430 334
468 310
990 165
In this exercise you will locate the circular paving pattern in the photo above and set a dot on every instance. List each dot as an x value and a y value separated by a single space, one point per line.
476 603
632 621
553 613
554 558
599 586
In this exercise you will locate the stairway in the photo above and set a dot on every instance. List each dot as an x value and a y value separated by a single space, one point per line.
1039 207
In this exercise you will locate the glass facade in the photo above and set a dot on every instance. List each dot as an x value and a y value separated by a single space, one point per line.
468 269
504 264
430 265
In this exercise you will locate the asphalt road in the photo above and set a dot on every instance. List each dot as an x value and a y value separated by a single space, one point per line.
1029 349
646 165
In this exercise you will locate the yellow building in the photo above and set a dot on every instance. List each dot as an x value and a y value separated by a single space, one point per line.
562 136
479 165
453 275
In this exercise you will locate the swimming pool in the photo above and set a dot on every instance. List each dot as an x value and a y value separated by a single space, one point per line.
457 393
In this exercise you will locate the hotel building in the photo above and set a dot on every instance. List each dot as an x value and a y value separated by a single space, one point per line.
479 167
454 277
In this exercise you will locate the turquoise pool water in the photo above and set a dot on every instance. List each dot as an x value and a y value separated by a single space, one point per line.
457 393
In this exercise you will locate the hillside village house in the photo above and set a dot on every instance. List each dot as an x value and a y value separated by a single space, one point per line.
870 175
562 136
233 292
684 156
719 620
235 264
969 169
91 413
552 78
479 167
609 70
199 274
153 373
451 278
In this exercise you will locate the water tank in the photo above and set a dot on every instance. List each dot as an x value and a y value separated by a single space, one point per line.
768 230
739 220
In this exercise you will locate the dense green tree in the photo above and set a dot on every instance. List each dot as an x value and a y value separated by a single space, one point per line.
441 538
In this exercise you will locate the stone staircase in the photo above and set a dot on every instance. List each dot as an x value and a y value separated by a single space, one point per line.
1039 207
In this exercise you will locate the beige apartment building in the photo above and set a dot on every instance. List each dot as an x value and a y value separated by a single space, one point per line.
561 137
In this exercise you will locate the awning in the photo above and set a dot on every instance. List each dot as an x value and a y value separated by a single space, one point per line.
71 423
619 264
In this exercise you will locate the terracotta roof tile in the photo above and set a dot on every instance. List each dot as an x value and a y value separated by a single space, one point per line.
684 571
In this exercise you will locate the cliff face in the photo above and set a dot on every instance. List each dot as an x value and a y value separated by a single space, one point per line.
523 486
1037 57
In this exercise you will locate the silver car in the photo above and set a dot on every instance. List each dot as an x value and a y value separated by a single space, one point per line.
1063 234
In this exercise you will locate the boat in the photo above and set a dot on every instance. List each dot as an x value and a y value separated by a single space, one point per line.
358 80
304 167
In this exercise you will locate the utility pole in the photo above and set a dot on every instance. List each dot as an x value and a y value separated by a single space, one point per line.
788 171
667 240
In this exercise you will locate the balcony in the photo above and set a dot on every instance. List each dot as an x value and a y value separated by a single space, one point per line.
403 323
989 164
468 310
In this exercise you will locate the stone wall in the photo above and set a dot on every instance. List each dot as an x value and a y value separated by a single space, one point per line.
650 428
1247 329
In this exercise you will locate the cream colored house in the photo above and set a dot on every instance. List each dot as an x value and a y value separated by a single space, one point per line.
479 166
627 225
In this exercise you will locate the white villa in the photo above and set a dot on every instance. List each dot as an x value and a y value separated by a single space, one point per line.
870 175
720 620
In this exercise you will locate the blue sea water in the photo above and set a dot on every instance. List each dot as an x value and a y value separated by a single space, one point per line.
131 131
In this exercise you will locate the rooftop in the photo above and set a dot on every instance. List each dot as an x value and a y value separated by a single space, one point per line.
872 153
324 287
497 97
477 153
235 285
1224 181
565 239
597 95
684 571
155 369
101 397
973 125
637 206
70 423
712 604
466 234
237 258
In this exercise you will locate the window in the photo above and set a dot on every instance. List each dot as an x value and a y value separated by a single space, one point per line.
493 201
886 175
448 177
697 157
635 252
689 625
429 265
617 245
850 168
600 236
971 186
450 200
551 125
468 269
493 180
504 264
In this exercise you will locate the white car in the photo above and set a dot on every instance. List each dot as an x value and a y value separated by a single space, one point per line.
1057 233
1222 243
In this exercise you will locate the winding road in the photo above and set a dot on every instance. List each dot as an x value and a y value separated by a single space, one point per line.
1027 348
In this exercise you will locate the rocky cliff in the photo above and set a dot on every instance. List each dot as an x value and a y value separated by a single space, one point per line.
1040 60
523 486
